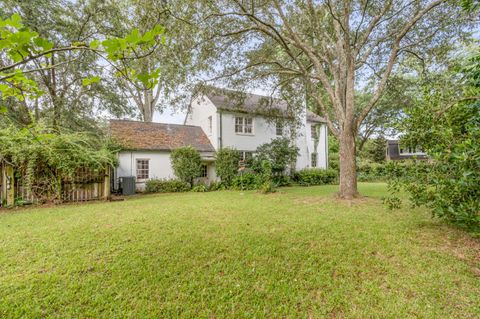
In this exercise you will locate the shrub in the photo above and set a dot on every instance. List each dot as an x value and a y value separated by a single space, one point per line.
246 181
371 171
216 186
226 164
200 188
267 185
316 176
282 180
186 163
166 186
450 135
278 152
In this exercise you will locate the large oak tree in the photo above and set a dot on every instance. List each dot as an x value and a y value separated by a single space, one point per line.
331 49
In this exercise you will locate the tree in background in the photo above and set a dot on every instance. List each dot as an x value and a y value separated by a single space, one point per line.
66 103
174 63
186 164
329 49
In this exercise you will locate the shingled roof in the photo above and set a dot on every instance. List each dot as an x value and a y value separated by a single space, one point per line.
235 101
134 135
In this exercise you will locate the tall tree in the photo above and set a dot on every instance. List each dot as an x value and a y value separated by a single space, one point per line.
66 102
172 62
332 49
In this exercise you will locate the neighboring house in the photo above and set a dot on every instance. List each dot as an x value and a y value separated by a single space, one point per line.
395 151
147 147
245 121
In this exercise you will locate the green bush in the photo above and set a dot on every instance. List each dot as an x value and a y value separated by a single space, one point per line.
316 176
247 181
371 172
282 180
200 188
279 153
166 186
226 164
186 163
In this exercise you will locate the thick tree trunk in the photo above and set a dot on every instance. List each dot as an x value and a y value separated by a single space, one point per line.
348 170
147 109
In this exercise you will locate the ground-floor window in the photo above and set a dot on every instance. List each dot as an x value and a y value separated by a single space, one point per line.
143 169
245 156
314 160
204 172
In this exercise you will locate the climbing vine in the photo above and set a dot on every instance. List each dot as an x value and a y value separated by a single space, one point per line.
42 159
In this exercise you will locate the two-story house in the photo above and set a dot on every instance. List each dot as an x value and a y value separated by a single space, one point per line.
215 120
245 121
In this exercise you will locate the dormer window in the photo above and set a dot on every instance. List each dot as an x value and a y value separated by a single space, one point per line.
243 125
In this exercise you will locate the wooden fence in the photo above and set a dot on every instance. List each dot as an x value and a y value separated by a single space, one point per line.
86 185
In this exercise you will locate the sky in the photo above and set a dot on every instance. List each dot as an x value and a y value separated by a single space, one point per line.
169 116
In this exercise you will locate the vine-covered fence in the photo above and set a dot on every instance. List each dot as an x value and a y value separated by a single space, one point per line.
85 185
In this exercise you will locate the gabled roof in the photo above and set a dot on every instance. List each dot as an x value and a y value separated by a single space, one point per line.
134 135
235 101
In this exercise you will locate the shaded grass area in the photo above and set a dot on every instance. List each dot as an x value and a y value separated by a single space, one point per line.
298 253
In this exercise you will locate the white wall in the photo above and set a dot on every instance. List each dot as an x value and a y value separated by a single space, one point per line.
263 132
201 109
160 166
322 147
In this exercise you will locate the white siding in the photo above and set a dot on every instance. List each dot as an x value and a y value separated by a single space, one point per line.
160 166
263 132
223 135
200 111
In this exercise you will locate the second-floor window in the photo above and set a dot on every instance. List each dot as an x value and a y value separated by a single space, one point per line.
314 159
314 131
243 125
279 128
210 129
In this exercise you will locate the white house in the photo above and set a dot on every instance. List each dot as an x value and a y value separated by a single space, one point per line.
215 120
147 147
245 121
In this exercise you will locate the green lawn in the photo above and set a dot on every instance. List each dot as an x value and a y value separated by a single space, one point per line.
298 253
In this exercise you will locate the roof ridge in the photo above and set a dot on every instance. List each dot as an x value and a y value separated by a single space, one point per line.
155 123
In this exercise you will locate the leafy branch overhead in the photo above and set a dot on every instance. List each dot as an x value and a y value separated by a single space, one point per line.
22 47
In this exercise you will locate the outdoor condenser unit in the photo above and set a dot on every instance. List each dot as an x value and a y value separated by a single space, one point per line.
127 185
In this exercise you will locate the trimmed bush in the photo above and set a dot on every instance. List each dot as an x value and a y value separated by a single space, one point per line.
316 176
166 186
226 164
186 163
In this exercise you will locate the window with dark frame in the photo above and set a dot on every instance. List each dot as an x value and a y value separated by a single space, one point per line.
210 129
313 129
279 128
143 169
204 171
314 160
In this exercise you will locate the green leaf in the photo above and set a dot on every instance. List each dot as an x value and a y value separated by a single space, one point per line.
91 80
3 109
95 44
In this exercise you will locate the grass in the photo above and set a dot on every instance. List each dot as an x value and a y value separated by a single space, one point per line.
298 253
